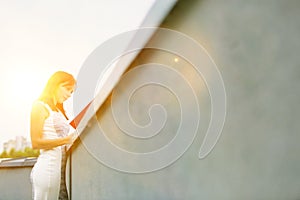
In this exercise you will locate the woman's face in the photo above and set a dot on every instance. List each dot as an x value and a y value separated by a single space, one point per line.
63 92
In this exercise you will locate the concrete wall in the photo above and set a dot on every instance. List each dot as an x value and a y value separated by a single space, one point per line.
256 46
15 183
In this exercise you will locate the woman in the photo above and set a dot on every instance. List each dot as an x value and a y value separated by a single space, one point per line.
49 130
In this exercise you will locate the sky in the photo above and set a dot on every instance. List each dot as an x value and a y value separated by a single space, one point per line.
38 38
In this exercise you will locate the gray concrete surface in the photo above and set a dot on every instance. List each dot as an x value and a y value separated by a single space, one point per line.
256 47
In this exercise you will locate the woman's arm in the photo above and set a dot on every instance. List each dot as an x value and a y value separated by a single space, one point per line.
38 116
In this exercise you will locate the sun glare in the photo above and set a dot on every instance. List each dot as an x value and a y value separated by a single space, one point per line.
22 86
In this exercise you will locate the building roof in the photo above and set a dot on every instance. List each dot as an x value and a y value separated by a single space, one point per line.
17 162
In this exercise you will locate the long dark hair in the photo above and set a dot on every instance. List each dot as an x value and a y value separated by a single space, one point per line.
48 93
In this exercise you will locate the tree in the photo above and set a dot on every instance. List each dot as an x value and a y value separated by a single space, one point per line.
12 153
27 152
4 154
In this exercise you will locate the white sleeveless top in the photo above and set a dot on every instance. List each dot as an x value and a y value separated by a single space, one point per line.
56 125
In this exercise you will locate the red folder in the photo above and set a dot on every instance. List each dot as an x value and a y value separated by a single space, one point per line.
74 123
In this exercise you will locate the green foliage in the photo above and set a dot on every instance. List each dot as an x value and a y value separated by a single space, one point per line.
28 152
4 154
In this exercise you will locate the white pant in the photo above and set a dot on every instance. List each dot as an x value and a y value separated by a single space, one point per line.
45 175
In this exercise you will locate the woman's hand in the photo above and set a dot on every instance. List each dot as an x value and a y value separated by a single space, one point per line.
71 138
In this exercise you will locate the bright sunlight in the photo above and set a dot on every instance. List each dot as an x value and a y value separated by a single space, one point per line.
22 86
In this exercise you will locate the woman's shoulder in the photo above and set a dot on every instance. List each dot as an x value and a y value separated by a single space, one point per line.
40 107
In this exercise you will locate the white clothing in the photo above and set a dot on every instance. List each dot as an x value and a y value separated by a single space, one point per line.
46 173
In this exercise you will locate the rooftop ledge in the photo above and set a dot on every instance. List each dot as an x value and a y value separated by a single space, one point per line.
17 162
